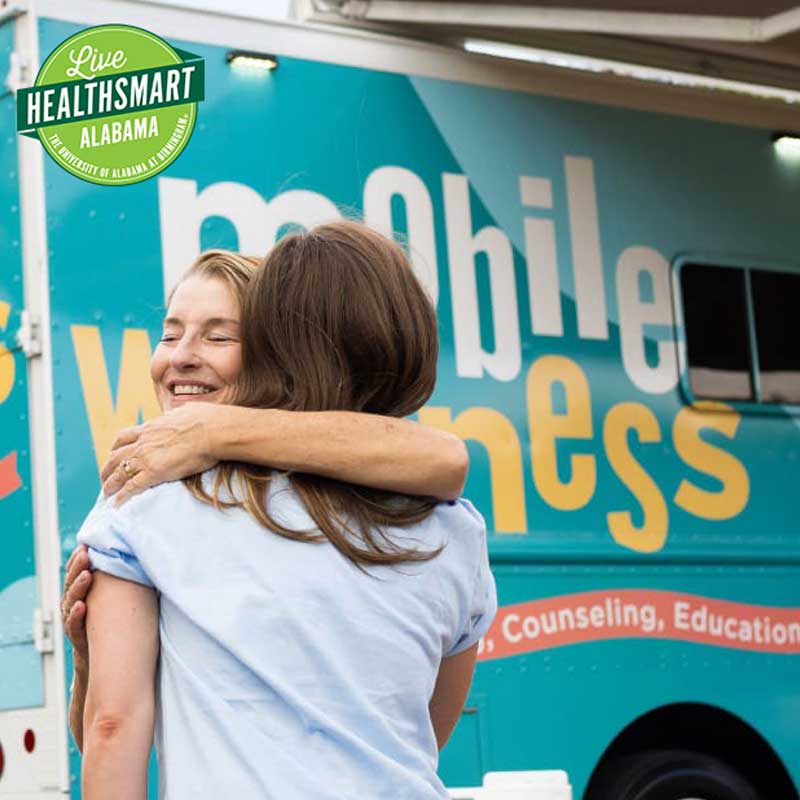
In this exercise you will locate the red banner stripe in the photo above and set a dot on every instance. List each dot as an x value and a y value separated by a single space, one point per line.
640 614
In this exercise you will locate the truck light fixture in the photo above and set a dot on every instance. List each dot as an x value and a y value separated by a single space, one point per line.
787 145
247 59
640 72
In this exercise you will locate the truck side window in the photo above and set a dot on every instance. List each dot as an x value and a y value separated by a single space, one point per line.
776 307
717 338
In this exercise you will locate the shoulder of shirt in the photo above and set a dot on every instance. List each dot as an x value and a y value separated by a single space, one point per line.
140 506
467 506
465 522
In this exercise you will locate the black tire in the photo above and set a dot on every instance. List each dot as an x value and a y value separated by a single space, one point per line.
669 775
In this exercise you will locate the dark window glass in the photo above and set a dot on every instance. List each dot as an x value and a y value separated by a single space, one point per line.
776 307
717 338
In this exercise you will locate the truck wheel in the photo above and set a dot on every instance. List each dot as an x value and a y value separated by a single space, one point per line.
669 775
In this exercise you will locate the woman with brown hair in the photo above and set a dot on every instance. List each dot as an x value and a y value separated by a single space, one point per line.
316 638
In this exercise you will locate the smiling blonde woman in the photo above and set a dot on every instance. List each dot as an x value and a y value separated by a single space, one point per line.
193 369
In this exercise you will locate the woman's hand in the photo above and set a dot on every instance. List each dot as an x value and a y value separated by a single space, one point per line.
77 582
167 448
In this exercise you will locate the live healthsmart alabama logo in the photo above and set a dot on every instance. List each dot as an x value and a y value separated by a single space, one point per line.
113 105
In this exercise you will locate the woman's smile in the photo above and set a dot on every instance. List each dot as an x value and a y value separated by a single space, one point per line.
190 389
199 355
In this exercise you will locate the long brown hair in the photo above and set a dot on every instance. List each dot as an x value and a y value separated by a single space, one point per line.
334 320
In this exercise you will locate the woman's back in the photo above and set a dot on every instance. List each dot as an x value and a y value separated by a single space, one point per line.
285 670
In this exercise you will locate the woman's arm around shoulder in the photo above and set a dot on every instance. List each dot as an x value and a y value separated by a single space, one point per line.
368 449
381 452
122 630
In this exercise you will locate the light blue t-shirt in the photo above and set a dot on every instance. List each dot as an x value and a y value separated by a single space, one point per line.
285 672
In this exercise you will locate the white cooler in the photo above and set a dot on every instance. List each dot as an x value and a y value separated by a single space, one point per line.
550 784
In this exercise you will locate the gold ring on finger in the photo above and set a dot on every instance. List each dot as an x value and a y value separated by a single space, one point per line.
127 468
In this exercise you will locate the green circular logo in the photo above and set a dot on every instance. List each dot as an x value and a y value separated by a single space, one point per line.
114 104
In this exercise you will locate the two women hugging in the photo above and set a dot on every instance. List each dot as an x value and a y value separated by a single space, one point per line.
285 592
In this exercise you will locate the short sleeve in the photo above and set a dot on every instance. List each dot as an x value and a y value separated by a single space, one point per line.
483 597
106 532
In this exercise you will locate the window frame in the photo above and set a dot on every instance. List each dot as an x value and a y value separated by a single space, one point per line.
746 264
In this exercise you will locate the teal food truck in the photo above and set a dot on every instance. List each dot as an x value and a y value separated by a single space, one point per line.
617 277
